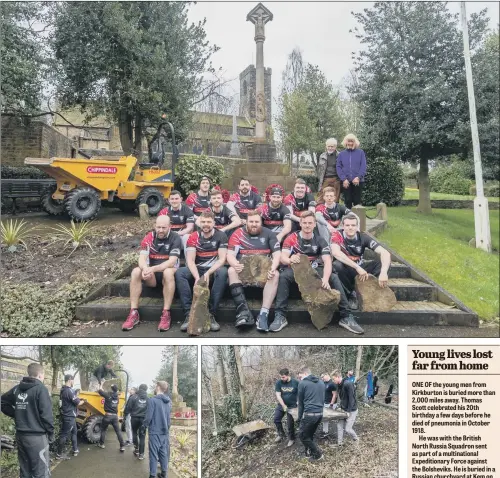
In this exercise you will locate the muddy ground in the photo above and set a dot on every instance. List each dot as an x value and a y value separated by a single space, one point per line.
46 263
375 455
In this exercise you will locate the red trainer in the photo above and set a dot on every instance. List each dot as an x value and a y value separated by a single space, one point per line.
165 321
132 320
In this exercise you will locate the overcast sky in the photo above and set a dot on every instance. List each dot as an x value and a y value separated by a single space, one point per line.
142 362
319 29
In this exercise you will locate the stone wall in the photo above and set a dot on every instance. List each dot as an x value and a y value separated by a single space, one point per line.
13 369
22 138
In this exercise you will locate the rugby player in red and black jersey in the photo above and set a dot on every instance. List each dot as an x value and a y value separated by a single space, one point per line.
253 239
160 251
225 219
317 250
275 215
199 202
298 202
181 217
348 247
244 201
205 257
329 214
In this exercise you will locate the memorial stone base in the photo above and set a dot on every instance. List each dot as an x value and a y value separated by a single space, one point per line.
261 170
181 414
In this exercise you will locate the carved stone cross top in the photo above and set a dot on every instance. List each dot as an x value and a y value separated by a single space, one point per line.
259 16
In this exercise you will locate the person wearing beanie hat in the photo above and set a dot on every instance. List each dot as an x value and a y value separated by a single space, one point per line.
136 408
111 401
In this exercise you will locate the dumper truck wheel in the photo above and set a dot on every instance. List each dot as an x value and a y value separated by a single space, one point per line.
54 207
153 197
127 205
92 429
82 204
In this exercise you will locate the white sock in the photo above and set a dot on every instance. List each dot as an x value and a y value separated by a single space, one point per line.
264 311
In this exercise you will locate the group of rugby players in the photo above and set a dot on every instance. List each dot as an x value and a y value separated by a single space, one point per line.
213 237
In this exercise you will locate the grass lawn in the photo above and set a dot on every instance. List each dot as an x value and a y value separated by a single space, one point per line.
413 194
437 244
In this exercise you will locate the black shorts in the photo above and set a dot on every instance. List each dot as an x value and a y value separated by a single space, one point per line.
159 279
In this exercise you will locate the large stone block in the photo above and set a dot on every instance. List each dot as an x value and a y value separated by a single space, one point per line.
261 152
321 303
372 298
199 318
255 270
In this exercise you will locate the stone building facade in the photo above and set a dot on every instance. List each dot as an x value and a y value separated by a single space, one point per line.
23 138
247 92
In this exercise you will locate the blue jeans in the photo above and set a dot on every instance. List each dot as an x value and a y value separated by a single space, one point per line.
184 279
159 451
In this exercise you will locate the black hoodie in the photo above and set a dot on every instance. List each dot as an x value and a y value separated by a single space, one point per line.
136 404
111 400
311 395
68 402
30 405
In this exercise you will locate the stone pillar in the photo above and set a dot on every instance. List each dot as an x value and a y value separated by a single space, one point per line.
235 145
261 150
360 211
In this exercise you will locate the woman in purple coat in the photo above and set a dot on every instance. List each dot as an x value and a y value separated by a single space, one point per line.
351 169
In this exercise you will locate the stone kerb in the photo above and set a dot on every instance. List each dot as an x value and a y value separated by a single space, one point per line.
450 203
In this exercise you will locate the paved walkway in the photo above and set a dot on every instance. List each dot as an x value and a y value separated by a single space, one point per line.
149 329
94 462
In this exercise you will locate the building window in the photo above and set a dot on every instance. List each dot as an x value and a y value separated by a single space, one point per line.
245 87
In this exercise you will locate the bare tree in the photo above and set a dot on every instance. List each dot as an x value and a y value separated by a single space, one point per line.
220 371
243 398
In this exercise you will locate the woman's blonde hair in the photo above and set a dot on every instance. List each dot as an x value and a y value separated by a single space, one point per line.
350 137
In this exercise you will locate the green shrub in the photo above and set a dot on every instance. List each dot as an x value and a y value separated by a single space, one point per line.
493 191
490 190
451 178
22 172
191 168
384 182
312 181
8 463
29 310
411 174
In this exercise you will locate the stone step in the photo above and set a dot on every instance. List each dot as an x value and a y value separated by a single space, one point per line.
404 288
404 313
179 409
187 423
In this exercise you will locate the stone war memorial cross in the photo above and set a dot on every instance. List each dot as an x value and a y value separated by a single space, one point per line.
261 167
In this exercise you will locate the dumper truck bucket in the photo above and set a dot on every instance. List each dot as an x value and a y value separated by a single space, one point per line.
101 174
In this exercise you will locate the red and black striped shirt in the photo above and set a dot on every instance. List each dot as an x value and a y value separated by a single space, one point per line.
244 243
197 203
160 250
207 249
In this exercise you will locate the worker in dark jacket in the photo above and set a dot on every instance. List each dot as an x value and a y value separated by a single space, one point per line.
158 421
68 403
111 401
311 398
128 420
136 408
100 374
349 404
30 406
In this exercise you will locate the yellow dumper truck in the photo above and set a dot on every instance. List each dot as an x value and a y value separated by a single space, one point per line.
91 413
83 183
